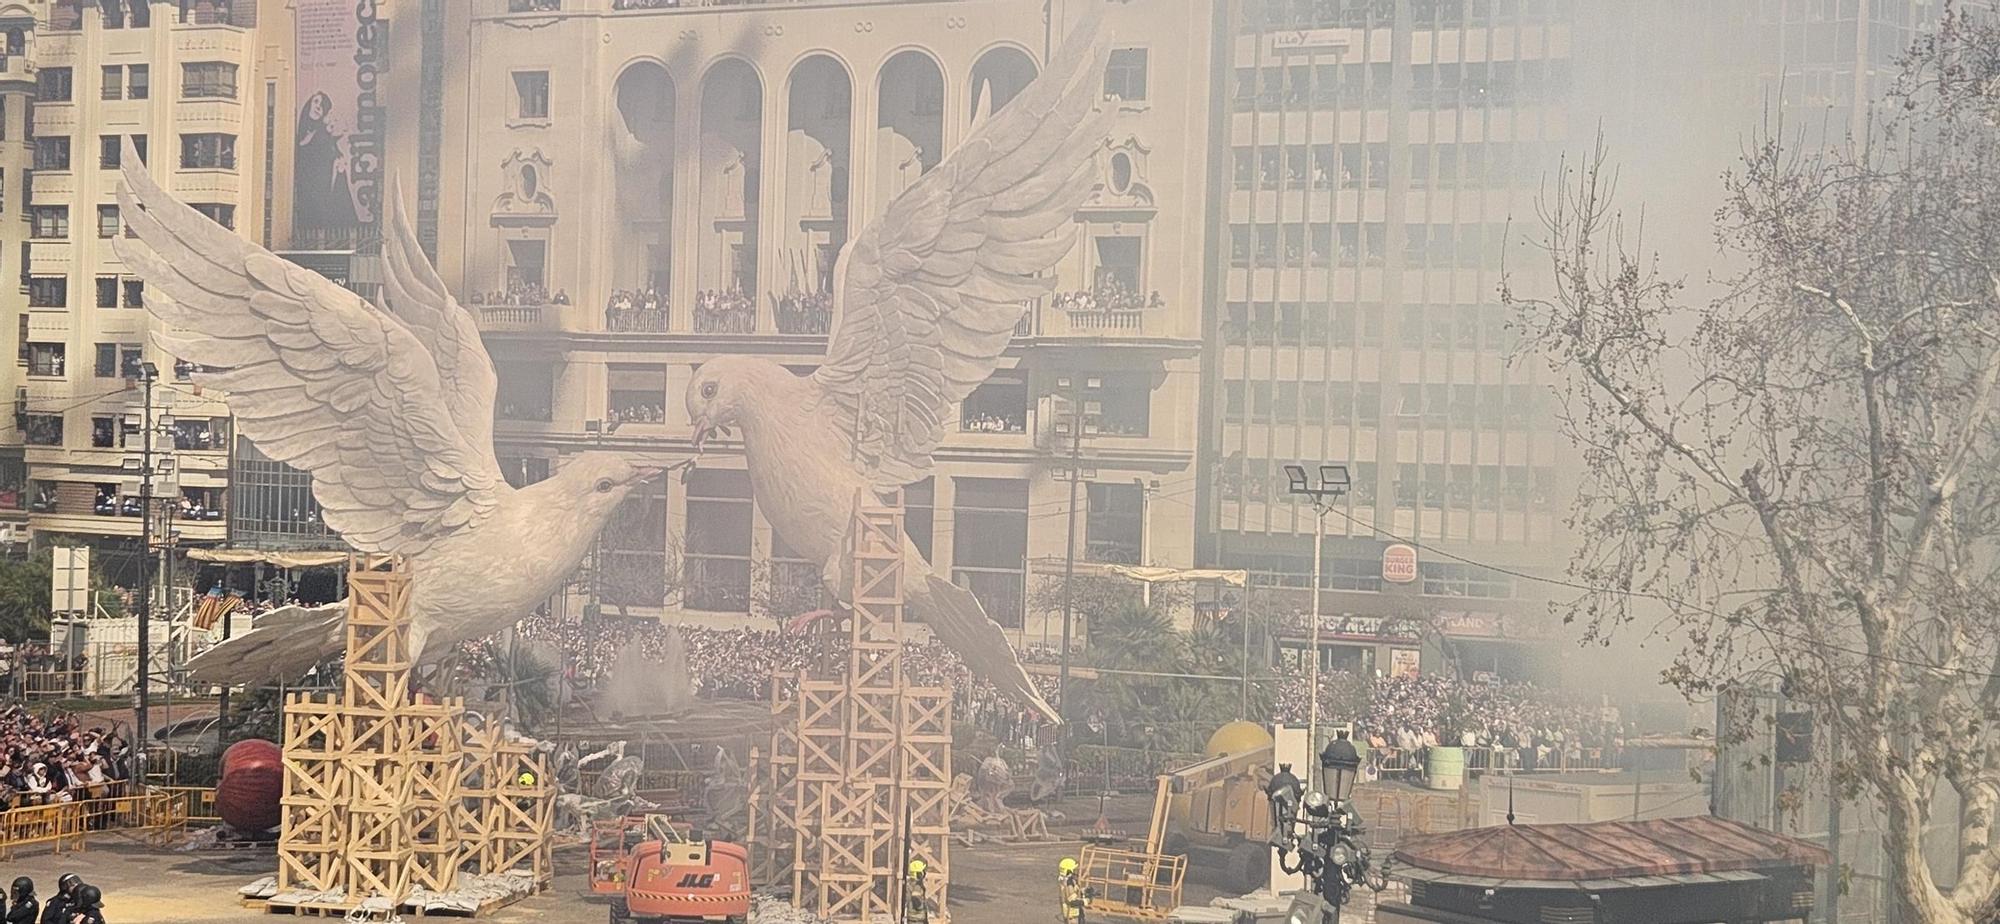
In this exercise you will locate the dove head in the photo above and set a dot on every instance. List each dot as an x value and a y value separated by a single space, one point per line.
595 482
723 387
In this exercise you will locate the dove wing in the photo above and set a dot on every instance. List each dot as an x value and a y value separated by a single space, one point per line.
315 375
927 297
416 296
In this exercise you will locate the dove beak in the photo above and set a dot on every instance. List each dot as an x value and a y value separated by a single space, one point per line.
646 474
702 431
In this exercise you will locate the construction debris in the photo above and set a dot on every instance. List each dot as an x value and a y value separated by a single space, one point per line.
770 909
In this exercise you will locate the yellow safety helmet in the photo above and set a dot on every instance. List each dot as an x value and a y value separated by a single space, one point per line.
527 778
1068 865
917 867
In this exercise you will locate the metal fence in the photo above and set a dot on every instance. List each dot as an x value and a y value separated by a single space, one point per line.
63 826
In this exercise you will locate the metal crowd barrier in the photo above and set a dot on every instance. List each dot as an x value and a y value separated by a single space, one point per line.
63 826
1392 761
194 803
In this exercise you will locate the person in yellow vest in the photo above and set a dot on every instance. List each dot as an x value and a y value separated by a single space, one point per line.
916 902
1074 895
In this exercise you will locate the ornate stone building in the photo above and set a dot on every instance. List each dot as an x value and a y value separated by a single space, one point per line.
624 189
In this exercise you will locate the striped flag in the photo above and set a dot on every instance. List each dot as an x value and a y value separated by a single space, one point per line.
213 606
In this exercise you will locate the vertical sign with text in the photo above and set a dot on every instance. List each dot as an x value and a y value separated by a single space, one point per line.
337 152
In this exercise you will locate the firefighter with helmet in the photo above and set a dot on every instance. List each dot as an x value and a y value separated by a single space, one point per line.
1074 896
916 903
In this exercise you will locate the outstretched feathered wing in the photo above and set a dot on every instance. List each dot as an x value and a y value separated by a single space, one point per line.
927 297
414 293
317 377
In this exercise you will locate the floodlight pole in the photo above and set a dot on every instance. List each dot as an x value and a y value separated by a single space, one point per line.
1312 711
1333 483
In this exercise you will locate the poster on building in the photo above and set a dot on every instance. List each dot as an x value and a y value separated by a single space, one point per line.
1403 662
69 589
337 158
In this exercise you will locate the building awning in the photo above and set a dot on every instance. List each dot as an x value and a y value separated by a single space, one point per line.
1177 575
1608 850
298 559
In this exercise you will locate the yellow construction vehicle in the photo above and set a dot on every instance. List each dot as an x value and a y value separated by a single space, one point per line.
1214 812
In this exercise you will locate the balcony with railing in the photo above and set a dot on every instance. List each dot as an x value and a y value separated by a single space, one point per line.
519 308
1108 310
718 312
804 313
637 311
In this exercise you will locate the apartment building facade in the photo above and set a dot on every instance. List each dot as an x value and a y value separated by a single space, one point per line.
1377 166
177 83
17 90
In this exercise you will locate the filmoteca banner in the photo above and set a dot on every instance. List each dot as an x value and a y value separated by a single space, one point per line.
337 164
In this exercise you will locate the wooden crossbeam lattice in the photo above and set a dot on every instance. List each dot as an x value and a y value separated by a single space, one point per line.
852 753
382 794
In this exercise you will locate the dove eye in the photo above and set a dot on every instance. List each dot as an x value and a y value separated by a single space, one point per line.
603 485
708 390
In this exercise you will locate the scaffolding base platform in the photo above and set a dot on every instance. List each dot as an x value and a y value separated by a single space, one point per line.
477 897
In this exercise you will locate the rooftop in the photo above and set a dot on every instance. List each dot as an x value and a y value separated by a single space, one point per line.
1608 850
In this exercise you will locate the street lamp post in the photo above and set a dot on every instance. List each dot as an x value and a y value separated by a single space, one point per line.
148 374
1333 485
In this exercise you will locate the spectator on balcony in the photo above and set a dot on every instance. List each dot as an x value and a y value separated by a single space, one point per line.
994 423
1110 295
804 313
719 312
643 310
642 413
520 294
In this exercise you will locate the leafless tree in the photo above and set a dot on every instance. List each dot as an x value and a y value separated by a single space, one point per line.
1798 479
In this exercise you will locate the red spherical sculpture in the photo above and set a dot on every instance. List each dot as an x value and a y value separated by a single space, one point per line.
253 776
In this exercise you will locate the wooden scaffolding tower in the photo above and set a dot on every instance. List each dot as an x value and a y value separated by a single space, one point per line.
859 758
382 794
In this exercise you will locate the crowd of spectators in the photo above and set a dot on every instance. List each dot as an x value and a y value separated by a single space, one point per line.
1398 718
719 312
1530 725
1111 294
533 6
738 663
983 422
805 313
637 310
55 758
639 413
518 294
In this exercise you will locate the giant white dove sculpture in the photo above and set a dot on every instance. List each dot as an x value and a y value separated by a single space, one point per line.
389 407
925 301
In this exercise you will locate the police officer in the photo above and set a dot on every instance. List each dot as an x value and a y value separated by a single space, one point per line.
56 911
916 902
1074 896
1283 791
22 908
87 907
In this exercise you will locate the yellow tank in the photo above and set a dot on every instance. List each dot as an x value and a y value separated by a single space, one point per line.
1237 738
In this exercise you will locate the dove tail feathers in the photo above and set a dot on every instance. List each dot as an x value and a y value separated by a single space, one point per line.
287 642
955 617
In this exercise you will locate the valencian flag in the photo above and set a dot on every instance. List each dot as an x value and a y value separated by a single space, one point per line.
215 605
